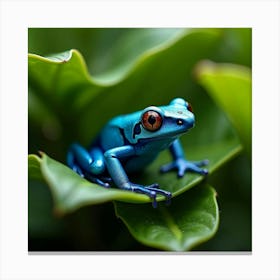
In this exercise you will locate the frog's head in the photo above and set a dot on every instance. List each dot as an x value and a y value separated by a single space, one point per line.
166 121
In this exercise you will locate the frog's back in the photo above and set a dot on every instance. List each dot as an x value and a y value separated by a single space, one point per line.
115 134
118 132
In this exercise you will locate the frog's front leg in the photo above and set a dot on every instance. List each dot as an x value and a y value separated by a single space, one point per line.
119 176
181 164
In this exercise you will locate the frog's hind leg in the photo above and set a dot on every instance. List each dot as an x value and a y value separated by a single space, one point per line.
70 160
88 164
90 161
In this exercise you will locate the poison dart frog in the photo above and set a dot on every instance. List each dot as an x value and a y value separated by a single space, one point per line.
129 143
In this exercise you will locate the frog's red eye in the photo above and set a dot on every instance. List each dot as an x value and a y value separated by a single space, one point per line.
151 120
189 107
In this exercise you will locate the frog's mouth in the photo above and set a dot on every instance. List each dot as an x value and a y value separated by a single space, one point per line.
167 138
157 138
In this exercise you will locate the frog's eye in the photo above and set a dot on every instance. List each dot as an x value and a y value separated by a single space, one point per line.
189 107
151 120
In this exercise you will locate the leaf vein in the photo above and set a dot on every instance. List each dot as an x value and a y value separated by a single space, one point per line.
171 224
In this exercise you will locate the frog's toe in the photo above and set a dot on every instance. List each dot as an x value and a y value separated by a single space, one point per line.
154 202
154 186
168 167
78 170
192 167
151 190
98 180
168 195
201 162
102 183
204 172
181 172
106 179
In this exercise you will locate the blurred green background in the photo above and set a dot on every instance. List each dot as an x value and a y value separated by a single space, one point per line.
109 53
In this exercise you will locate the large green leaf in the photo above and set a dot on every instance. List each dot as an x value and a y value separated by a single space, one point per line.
34 167
231 87
192 218
71 192
63 81
106 50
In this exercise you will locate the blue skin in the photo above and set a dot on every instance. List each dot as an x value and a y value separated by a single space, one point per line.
130 142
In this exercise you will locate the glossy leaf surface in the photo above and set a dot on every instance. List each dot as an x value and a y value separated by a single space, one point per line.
71 192
34 167
231 88
191 219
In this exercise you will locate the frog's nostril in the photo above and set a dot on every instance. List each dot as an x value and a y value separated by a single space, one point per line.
180 122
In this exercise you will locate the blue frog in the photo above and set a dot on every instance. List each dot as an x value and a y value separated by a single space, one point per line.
129 143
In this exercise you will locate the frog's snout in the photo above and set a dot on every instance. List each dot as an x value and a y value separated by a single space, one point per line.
186 124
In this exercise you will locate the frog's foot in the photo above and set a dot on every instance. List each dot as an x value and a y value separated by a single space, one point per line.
182 166
151 191
155 187
100 180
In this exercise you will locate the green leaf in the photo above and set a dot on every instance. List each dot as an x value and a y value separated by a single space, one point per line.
34 167
125 52
231 88
71 192
191 219
66 73
87 98
106 50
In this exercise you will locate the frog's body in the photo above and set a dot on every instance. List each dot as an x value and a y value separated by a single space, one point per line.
130 142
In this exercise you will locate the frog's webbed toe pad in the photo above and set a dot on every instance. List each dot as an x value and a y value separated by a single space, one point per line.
182 166
151 190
